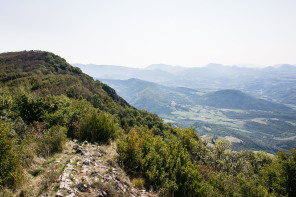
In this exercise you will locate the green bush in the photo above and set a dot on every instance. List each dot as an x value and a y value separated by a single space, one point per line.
97 128
10 171
129 149
165 164
30 110
52 141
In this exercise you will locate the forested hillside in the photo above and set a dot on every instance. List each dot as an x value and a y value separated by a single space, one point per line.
45 102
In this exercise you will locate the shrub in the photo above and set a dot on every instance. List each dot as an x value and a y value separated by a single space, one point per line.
97 128
130 151
27 149
9 162
52 141
30 110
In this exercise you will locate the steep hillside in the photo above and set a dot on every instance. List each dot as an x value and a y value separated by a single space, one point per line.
45 73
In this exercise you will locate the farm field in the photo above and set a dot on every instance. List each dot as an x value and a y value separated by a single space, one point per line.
252 129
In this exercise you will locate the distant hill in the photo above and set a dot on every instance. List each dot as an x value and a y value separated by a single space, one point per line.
167 68
163 100
267 83
235 99
151 96
286 96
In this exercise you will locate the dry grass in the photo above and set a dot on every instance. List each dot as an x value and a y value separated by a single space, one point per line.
138 183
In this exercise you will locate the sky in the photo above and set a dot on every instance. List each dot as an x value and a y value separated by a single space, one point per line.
137 33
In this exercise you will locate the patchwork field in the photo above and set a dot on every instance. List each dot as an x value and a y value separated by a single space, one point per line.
254 129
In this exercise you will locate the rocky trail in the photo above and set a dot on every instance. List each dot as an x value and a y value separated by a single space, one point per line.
91 170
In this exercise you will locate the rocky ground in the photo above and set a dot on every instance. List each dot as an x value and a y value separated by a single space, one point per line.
91 170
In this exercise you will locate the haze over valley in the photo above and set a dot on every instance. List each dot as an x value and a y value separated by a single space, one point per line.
252 107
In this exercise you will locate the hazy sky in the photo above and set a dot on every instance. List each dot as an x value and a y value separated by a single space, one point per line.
137 33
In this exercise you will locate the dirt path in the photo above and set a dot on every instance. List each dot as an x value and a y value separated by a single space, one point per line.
90 170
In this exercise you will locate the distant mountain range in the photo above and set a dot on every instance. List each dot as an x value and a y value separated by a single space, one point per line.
161 99
274 83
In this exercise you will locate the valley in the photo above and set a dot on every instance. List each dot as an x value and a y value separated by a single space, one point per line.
254 123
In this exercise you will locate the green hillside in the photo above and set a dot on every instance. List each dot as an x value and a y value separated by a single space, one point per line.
45 102
42 74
